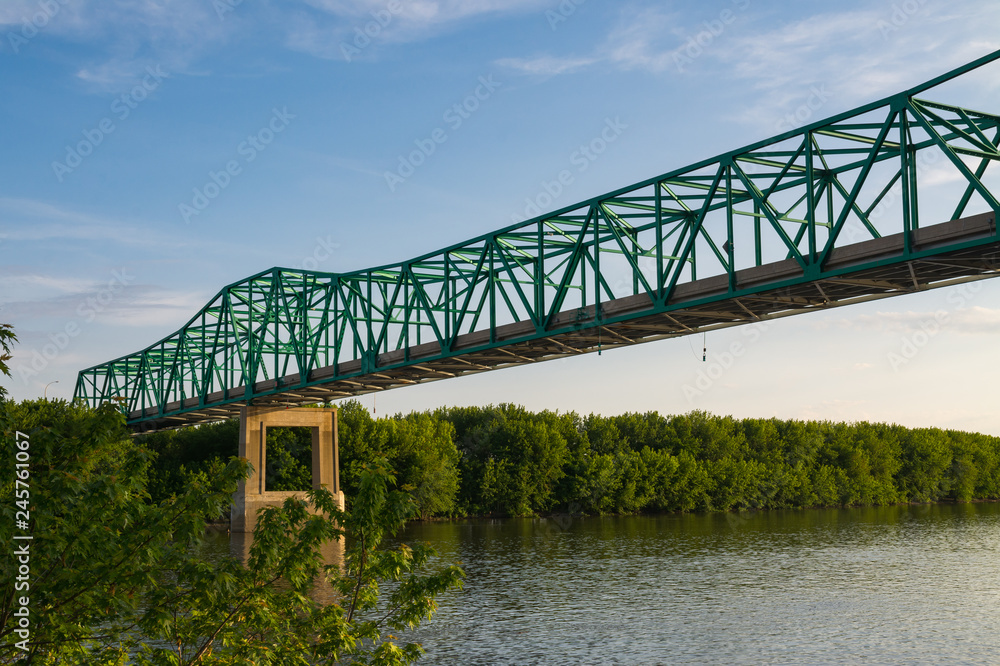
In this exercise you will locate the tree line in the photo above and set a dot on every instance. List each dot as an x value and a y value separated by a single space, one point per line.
508 461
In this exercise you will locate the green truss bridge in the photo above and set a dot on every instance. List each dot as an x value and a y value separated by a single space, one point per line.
891 198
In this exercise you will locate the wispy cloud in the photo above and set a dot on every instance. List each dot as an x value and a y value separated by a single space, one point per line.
855 56
545 66
786 56
156 306
647 39
975 320
28 220
419 15
858 55
642 39
134 305
66 13
866 60
20 286
333 24
849 411
131 34
177 34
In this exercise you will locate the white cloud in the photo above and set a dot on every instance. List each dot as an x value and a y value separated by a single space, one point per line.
640 40
176 34
850 54
545 65
645 40
131 34
941 176
153 306
786 56
15 13
418 15
976 321
854 56
341 29
847 411
12 206
134 305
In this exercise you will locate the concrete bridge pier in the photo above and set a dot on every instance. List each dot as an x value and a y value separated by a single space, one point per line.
254 422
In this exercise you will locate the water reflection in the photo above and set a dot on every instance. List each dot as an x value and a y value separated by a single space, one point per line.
909 584
890 585
238 544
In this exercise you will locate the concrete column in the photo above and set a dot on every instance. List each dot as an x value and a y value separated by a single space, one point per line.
252 494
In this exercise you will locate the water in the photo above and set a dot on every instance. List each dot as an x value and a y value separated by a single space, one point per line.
912 584
890 585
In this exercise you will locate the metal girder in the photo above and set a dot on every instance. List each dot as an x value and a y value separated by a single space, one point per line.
825 215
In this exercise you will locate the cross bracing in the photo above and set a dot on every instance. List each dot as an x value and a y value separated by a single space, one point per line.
894 197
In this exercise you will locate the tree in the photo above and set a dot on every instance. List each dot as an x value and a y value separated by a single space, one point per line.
419 447
7 340
189 452
242 614
527 454
425 456
186 453
95 537
113 572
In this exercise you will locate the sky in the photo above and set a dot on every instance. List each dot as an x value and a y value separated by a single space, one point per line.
120 117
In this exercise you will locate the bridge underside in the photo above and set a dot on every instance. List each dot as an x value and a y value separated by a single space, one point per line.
940 255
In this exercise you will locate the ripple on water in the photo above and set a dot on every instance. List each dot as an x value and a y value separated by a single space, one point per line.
886 585
890 585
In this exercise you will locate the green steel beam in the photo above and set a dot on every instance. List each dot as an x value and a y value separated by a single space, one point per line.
789 198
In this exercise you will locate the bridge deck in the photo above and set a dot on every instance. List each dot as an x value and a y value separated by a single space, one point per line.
940 255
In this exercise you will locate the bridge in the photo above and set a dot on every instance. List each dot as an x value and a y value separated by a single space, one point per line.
887 199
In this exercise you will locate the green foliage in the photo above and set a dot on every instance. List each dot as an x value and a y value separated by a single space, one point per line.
98 540
518 463
505 460
513 462
7 340
197 452
289 459
187 454
424 450
419 446
116 578
261 613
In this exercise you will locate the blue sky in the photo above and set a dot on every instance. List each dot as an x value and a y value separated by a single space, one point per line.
290 114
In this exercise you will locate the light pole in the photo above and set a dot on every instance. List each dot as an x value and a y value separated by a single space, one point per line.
45 393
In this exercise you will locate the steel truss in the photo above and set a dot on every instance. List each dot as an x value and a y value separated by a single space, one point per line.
825 215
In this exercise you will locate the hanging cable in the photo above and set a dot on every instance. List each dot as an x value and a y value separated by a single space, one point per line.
694 352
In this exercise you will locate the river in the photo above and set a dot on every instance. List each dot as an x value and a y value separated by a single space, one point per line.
891 585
